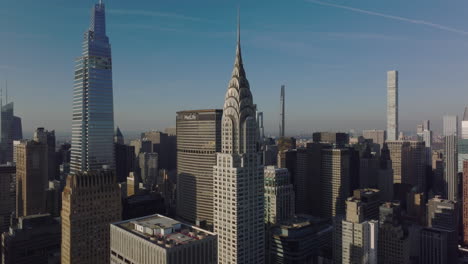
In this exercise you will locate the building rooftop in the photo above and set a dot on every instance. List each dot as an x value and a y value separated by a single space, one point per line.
163 231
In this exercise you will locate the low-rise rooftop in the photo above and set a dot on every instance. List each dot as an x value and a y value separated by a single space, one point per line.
163 231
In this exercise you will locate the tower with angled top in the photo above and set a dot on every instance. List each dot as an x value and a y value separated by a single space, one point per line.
238 175
93 109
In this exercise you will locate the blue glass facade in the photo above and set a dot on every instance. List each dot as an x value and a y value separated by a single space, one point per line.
93 110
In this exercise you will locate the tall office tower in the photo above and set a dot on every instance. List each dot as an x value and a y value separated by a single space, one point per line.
451 157
261 129
198 141
118 137
282 114
462 150
392 105
10 130
393 241
301 239
7 195
279 195
359 230
270 155
124 161
161 143
334 181
90 202
31 177
399 155
465 203
338 139
288 159
385 175
463 141
417 165
141 145
464 125
436 246
34 239
238 176
48 138
368 168
148 164
377 136
93 107
307 179
156 239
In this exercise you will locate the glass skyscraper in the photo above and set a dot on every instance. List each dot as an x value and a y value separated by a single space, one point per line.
93 114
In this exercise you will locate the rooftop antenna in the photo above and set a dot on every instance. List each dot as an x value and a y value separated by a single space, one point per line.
238 25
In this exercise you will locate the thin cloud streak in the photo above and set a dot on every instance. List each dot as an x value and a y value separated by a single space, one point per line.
155 14
403 19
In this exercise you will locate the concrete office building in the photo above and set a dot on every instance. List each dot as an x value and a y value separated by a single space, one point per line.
31 178
34 239
238 176
260 128
392 105
436 247
359 230
279 195
141 145
93 103
165 146
333 138
198 141
148 165
90 202
385 175
451 157
157 239
417 165
442 213
377 136
48 137
125 161
7 195
334 181
301 239
408 162
393 241
465 203
463 141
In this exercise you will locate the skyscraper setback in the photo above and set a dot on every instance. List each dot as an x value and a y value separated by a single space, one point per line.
238 176
392 105
93 110
282 123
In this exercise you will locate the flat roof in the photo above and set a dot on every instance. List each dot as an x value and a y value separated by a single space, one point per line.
199 111
163 231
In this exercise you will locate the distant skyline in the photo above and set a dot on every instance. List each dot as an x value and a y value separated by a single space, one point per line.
332 56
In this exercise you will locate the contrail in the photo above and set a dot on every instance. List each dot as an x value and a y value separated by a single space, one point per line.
404 19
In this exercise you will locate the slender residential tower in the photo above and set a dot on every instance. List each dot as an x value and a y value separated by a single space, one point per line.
238 176
392 105
93 110
281 133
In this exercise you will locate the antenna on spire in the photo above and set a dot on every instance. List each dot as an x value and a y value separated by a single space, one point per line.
6 91
238 25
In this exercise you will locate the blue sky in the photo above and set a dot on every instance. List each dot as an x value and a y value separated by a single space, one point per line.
178 55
